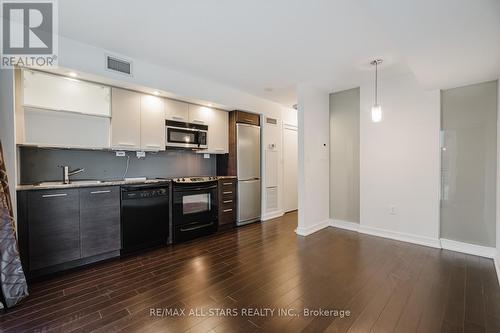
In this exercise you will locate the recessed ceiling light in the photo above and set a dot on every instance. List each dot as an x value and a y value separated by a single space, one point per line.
73 74
156 92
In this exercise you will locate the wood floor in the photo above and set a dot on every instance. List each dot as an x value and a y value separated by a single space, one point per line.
385 285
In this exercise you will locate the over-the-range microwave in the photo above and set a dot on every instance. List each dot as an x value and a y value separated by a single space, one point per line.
185 135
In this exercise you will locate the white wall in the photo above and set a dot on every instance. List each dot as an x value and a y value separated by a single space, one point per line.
399 161
313 121
497 263
7 132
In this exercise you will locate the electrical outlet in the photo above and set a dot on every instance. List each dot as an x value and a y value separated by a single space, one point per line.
392 210
140 154
120 154
206 155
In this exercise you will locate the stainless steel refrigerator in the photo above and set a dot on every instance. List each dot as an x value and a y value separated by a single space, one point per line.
248 171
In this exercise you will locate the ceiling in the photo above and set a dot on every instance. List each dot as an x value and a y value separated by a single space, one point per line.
267 47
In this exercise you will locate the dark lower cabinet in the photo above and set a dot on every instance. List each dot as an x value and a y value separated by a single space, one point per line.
99 220
67 228
227 202
53 227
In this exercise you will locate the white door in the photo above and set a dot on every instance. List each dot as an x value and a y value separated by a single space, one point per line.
290 162
152 123
125 119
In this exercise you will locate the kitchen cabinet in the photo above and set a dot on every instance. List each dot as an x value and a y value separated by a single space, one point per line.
60 229
176 110
54 92
247 118
152 123
64 129
227 202
126 119
99 220
53 227
199 114
218 132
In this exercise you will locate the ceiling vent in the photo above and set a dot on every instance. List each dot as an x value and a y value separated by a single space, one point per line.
119 65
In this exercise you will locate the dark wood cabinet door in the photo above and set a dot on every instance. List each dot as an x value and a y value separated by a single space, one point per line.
247 118
100 220
53 224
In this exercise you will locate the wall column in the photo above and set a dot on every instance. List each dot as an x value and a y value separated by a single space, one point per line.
314 164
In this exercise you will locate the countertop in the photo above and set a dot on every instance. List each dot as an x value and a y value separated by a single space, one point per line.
77 184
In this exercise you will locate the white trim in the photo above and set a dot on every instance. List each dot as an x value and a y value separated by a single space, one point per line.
400 236
497 268
344 225
312 229
477 250
272 215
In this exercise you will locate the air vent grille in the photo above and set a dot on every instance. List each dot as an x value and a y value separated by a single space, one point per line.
119 65
272 121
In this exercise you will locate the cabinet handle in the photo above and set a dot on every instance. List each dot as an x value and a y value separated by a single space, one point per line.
227 183
177 118
54 195
227 210
126 144
100 192
227 201
153 146
228 192
196 121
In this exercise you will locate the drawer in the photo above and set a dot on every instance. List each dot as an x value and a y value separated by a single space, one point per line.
103 196
51 197
227 203
227 216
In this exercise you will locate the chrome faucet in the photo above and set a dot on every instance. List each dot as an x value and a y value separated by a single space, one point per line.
67 173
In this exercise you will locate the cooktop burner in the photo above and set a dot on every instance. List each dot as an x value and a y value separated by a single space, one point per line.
194 179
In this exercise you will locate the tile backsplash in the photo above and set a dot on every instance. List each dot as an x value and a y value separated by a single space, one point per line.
41 164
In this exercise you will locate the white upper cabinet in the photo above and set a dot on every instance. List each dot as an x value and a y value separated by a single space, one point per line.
218 132
199 114
152 123
175 110
126 120
53 92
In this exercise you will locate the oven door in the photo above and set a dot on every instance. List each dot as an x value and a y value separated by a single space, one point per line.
195 210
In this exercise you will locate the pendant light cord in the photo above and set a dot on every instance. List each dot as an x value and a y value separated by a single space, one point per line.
376 82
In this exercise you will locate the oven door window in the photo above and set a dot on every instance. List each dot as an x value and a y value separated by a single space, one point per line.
196 203
181 136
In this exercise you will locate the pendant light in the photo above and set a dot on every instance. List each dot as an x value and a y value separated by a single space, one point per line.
376 108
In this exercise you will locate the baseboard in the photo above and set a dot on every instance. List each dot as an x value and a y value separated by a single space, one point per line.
400 236
477 250
272 215
312 229
344 225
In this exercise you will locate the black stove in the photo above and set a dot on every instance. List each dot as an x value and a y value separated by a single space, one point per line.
195 207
